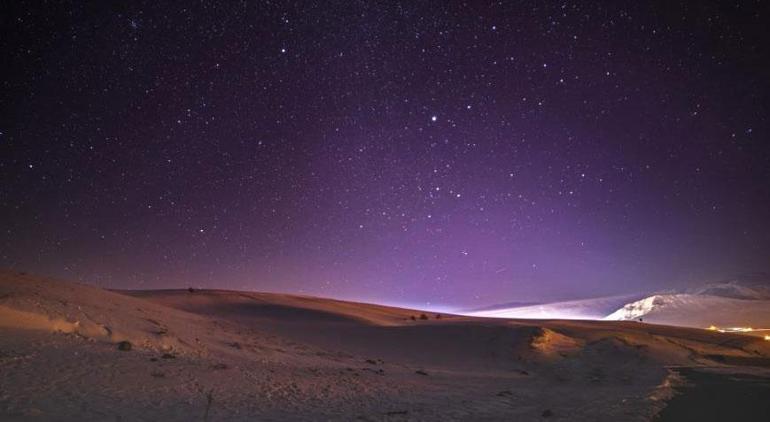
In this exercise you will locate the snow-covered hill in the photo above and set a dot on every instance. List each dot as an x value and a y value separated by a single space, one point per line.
728 304
594 308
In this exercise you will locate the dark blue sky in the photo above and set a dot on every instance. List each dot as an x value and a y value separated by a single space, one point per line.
451 153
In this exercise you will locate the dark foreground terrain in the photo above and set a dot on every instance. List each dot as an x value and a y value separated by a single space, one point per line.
719 396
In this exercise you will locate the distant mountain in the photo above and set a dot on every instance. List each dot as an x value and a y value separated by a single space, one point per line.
749 287
742 301
739 302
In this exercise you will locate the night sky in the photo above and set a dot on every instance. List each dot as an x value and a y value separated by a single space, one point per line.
420 153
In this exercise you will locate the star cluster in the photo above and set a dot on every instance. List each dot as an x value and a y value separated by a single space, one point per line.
441 153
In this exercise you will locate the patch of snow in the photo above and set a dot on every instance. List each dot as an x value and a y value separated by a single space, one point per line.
636 310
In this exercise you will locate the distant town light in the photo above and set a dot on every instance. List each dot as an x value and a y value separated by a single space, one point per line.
736 329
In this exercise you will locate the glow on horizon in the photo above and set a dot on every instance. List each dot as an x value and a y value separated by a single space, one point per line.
533 312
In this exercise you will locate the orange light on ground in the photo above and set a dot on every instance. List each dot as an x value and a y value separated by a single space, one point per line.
767 337
712 328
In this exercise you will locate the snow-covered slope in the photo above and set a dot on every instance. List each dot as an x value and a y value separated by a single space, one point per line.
639 309
697 310
594 308
743 301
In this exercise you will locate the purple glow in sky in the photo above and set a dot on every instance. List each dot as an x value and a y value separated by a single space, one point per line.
451 153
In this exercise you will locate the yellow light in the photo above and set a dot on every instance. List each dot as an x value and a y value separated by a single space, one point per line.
712 328
767 337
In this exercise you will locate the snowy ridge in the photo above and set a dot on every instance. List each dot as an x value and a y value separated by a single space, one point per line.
744 300
638 309
696 310
734 290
